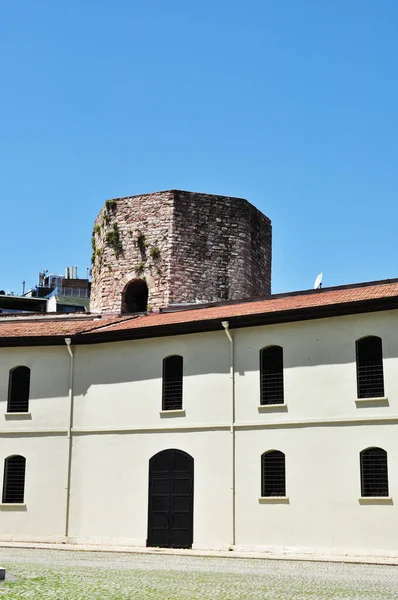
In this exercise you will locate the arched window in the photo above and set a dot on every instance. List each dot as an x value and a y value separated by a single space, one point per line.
135 296
271 375
14 479
172 383
370 380
18 390
273 476
374 472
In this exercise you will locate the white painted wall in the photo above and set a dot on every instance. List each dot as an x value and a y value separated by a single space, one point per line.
323 486
120 384
320 367
43 518
110 486
49 384
118 428
321 432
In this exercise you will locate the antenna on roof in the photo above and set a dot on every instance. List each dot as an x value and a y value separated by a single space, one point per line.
318 282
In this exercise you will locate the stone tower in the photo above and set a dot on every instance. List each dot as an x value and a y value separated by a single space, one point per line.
171 247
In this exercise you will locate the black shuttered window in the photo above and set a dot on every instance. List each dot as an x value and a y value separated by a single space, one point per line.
370 378
14 480
273 474
172 383
374 472
271 375
18 390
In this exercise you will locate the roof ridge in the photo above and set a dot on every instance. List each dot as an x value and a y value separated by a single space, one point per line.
332 288
323 290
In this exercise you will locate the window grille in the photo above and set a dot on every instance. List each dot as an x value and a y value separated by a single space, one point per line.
273 476
18 390
14 479
172 383
370 380
374 472
271 375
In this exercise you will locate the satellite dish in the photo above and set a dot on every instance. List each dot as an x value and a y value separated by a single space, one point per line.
318 282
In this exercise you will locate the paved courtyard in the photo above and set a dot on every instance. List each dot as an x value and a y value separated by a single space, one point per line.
79 575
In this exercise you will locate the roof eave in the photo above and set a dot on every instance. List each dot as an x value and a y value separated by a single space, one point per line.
236 322
207 325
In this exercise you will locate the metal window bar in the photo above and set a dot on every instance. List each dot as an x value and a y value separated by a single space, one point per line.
172 383
370 378
18 390
14 479
271 375
273 474
374 472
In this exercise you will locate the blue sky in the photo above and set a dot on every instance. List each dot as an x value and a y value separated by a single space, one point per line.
291 104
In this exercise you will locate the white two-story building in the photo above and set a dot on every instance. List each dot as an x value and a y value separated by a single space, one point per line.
266 425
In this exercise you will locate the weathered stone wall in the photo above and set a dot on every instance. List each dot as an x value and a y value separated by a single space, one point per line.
144 226
187 246
221 249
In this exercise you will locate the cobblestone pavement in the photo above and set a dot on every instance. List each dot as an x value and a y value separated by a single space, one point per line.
44 574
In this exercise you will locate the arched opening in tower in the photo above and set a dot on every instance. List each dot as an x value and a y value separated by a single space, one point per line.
135 297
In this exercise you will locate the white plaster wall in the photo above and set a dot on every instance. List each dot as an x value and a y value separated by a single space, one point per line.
319 367
321 432
120 384
45 494
49 387
110 486
323 486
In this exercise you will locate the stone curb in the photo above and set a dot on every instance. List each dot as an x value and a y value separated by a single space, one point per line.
370 560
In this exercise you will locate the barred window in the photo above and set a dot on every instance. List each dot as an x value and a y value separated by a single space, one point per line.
273 476
271 375
18 390
172 383
14 479
370 380
374 472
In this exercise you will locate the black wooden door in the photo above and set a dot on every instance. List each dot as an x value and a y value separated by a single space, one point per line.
170 512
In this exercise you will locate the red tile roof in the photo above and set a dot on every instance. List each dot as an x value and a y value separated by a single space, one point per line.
355 298
48 326
264 306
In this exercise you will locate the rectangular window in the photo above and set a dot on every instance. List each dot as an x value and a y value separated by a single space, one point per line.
271 375
172 383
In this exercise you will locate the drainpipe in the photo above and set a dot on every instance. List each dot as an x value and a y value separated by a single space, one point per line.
225 324
68 343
